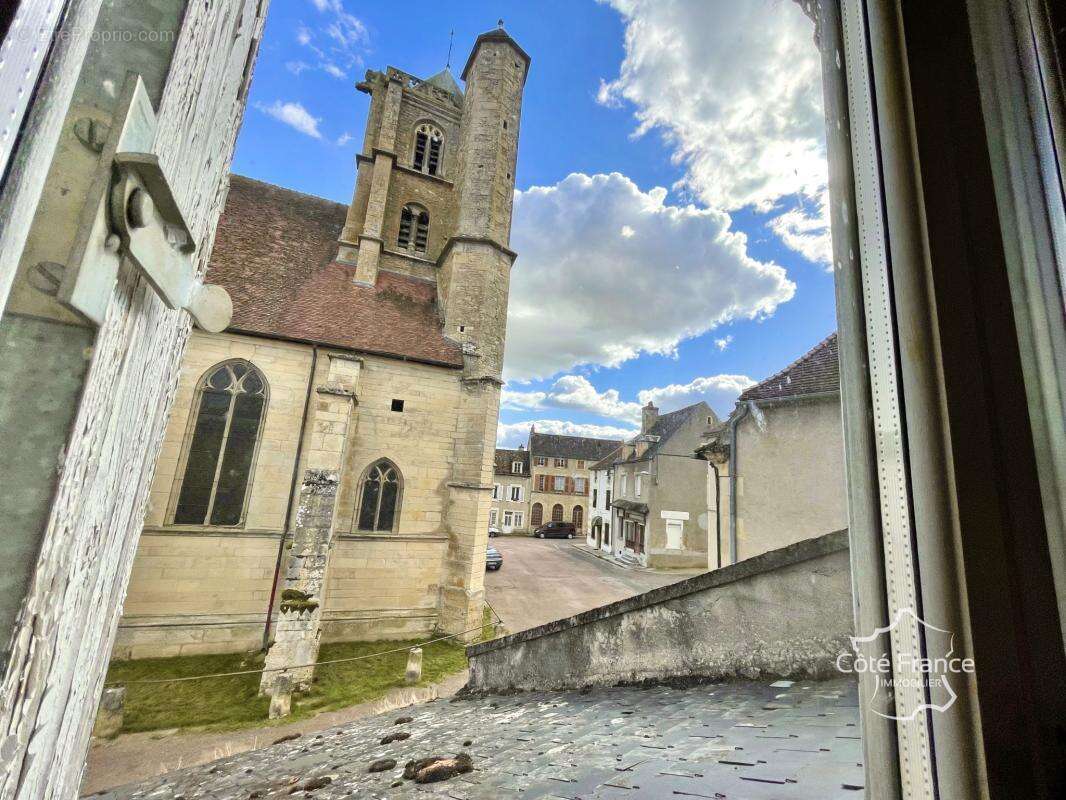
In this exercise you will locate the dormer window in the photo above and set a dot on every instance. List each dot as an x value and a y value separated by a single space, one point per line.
414 228
516 467
429 147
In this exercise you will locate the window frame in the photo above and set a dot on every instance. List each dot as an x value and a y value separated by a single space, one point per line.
515 489
417 212
360 491
424 168
186 448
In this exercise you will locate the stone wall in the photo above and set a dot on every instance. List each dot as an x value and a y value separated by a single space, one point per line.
199 589
787 613
790 468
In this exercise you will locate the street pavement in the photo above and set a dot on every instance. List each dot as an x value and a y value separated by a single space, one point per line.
547 579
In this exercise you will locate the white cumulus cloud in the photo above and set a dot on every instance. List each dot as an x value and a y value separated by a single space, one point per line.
718 391
724 342
735 89
576 393
294 115
514 434
582 294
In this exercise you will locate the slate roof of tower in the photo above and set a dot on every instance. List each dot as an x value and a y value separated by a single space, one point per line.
504 459
581 447
274 253
446 81
815 372
495 35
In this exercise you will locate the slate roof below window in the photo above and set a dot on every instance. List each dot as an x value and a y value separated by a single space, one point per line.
274 252
553 445
815 372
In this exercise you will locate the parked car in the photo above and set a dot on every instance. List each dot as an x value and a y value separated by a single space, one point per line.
493 531
493 559
556 530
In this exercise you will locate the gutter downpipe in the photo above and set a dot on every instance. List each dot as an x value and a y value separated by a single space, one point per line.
717 512
734 421
292 494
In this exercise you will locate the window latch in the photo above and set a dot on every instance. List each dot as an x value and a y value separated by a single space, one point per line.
131 212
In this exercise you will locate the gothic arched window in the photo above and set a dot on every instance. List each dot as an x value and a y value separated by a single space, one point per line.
230 403
414 228
429 146
379 498
536 517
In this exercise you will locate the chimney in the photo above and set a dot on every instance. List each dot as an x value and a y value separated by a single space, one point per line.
648 416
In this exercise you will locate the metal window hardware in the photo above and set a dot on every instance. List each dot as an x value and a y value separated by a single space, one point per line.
130 212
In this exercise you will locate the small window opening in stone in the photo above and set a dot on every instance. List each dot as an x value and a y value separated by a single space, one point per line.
429 147
421 231
462 328
397 405
505 124
414 228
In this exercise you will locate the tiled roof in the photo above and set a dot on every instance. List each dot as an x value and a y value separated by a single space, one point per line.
799 739
274 253
666 426
608 460
556 446
816 372
505 458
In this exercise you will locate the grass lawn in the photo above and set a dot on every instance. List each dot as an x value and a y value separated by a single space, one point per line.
227 703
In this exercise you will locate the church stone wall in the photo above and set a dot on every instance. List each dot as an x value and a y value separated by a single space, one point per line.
435 195
198 589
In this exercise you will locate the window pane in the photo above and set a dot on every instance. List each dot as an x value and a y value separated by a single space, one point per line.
368 508
203 459
237 460
388 505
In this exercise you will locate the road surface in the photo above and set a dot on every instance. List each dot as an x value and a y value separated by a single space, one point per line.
547 579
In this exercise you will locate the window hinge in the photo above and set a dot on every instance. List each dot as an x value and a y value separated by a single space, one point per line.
130 212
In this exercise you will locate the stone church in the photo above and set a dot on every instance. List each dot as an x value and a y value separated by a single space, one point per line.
327 469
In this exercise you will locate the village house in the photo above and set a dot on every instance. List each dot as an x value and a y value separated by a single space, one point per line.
327 471
779 459
561 477
510 491
602 473
659 503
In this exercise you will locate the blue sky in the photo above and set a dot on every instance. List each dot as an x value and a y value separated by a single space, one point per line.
713 277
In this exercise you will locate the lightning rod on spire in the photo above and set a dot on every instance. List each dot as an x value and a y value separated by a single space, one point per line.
451 40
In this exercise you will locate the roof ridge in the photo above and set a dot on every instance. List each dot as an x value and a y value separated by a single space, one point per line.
781 372
287 189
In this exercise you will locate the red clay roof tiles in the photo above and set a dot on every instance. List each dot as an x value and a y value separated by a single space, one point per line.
274 253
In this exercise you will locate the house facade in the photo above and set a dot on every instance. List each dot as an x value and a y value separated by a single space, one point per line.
780 457
599 535
659 499
510 491
562 475
338 439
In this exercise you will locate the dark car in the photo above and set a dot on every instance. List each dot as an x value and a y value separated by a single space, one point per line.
493 559
556 530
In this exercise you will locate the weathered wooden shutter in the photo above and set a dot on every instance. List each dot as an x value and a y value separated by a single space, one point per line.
65 628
